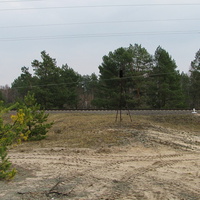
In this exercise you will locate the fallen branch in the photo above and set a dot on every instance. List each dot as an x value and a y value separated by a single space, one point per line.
54 191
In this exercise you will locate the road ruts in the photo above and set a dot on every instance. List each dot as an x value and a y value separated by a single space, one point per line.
91 172
118 192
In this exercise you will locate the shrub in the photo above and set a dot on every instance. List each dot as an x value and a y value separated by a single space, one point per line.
6 173
36 119
29 123
10 133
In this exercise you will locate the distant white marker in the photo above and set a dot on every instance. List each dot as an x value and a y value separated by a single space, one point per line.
194 111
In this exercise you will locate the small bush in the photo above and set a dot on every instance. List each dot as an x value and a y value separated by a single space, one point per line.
6 173
28 124
35 118
10 133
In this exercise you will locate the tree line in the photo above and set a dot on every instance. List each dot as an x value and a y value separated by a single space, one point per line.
129 77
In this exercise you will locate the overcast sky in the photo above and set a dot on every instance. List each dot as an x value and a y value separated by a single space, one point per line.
80 32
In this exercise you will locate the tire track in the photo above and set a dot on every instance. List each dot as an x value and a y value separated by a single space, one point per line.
83 172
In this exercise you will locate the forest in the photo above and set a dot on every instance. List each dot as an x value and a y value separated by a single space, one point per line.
129 77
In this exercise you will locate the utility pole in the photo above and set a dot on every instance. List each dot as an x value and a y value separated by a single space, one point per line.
121 75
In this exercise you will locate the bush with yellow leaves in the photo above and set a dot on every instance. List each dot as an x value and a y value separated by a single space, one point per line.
29 123
36 119
10 133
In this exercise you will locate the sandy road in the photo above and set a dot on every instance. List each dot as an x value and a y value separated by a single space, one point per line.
165 167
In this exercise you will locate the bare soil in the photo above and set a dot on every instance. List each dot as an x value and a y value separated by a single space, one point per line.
92 157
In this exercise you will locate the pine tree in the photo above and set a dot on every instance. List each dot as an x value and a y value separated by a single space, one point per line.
195 81
122 81
166 91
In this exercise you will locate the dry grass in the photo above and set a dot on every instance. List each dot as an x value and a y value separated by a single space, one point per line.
88 130
190 123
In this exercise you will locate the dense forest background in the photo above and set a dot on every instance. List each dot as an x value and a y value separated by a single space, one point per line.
128 78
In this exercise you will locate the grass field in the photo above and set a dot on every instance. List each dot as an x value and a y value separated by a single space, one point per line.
92 130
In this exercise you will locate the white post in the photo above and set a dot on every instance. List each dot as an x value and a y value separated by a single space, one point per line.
194 111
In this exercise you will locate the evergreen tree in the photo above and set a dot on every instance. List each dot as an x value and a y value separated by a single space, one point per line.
166 90
87 90
195 81
122 82
10 133
109 81
185 87
139 82
1 96
25 82
68 83
47 73
36 119
54 87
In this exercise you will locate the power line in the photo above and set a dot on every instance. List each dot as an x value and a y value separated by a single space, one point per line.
103 22
24 1
99 6
98 35
18 1
87 81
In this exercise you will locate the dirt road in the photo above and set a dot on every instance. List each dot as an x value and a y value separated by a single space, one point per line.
157 164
